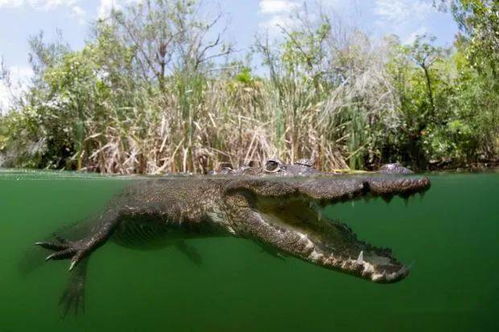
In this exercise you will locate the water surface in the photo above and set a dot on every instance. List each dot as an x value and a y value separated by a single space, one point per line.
451 236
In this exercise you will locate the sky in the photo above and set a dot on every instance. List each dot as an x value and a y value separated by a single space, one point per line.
20 19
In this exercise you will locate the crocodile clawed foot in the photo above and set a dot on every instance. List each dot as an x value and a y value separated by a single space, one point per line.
64 249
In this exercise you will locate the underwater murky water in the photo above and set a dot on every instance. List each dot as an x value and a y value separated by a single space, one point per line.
451 236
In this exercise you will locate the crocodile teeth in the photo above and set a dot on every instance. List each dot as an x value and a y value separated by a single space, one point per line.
360 259
378 276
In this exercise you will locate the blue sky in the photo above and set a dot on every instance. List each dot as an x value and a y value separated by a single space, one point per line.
20 19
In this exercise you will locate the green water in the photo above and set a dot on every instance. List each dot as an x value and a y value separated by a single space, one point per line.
451 236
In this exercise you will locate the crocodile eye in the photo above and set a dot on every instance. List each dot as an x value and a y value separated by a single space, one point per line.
272 166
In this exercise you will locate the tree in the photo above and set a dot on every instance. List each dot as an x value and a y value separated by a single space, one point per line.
478 22
168 37
424 55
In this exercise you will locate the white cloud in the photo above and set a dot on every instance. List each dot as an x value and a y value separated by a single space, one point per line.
106 6
405 18
11 3
78 13
276 13
276 6
48 5
401 11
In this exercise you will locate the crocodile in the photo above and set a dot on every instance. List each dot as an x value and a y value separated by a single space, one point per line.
279 206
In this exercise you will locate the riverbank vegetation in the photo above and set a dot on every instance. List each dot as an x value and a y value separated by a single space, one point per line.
156 89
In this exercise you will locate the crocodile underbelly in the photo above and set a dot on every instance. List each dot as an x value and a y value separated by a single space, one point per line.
144 233
152 232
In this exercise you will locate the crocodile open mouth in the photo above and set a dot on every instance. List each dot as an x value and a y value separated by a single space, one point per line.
288 217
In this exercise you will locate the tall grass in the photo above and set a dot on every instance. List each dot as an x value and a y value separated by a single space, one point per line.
227 121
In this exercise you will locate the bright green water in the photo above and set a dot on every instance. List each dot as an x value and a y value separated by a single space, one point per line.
451 235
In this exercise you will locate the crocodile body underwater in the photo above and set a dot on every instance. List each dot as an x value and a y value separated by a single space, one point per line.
278 206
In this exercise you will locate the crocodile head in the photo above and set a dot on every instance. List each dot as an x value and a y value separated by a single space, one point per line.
284 213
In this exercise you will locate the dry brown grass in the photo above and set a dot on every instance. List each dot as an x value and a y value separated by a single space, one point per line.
238 123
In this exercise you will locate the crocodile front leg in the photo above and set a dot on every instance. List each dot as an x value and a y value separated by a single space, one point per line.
77 250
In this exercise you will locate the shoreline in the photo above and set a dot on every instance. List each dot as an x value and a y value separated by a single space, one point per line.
489 167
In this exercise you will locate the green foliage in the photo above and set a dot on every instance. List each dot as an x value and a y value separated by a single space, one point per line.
304 50
443 118
244 76
155 90
479 22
